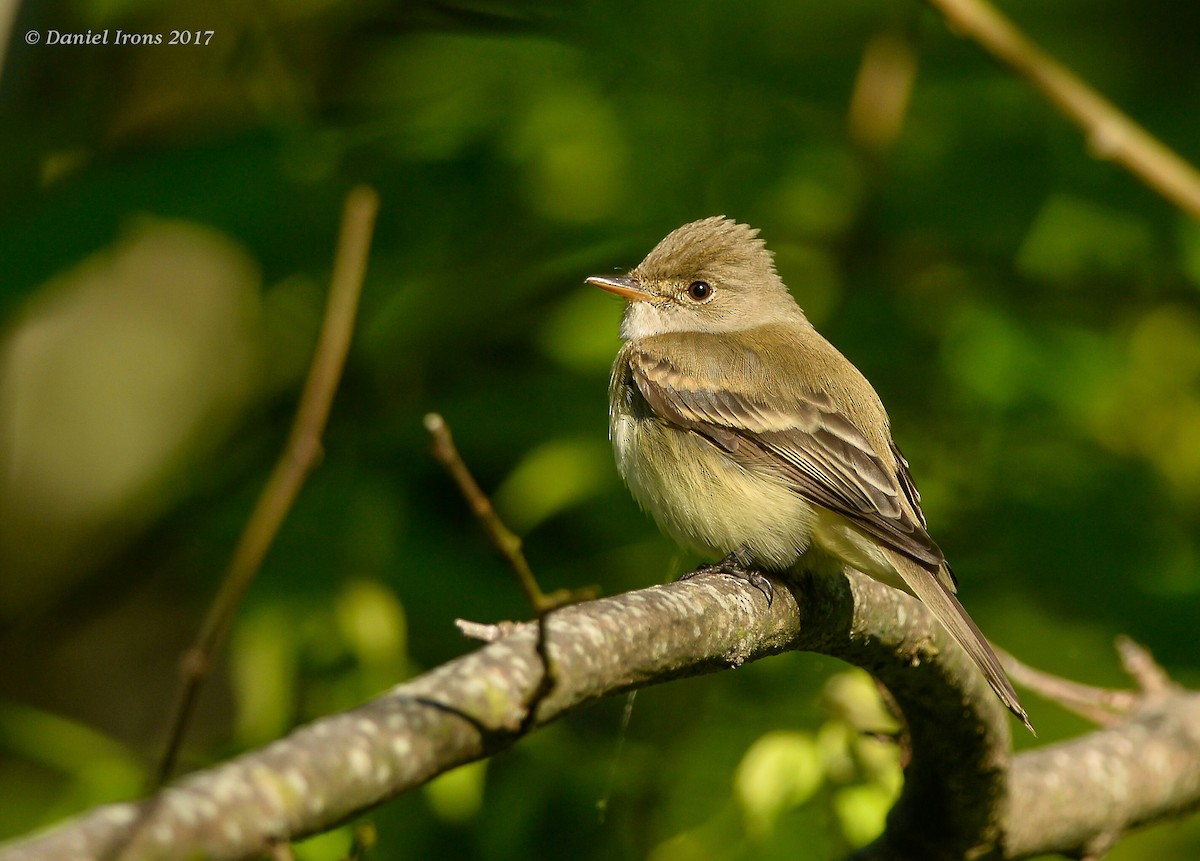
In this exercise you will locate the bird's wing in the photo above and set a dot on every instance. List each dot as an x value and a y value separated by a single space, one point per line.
906 484
806 442
950 579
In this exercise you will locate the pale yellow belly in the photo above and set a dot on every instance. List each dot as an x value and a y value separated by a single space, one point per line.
705 500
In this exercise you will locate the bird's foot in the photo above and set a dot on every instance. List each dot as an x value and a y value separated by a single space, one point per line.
734 567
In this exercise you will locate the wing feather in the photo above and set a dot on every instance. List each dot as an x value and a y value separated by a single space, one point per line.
807 442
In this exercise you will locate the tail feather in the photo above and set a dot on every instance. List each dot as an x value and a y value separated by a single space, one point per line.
931 592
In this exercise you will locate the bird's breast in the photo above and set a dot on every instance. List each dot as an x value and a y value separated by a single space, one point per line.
699 494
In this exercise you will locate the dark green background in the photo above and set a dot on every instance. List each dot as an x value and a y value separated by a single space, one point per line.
1028 313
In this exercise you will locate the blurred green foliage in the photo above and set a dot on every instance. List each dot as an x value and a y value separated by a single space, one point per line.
1029 314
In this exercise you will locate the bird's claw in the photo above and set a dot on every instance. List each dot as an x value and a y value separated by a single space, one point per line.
734 567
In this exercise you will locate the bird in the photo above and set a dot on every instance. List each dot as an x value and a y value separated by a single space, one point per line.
746 434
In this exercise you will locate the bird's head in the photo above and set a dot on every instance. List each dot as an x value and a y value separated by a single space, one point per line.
709 276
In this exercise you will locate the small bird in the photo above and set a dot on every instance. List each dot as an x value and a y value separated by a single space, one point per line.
747 435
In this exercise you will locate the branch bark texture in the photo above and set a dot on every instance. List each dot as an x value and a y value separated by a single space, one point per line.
961 799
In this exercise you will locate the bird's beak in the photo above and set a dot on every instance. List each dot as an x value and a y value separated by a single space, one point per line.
626 287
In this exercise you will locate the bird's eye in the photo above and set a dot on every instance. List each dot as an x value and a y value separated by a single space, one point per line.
699 290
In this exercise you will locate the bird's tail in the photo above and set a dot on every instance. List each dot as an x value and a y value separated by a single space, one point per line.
934 594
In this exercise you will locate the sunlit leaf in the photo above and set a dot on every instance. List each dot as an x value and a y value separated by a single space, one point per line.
552 477
781 770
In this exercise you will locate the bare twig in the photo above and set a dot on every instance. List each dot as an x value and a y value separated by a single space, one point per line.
1111 134
506 542
299 456
483 632
509 546
1152 680
1102 706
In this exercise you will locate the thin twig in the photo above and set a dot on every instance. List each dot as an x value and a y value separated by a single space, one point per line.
1102 706
509 546
485 632
1111 134
506 542
1152 680
299 456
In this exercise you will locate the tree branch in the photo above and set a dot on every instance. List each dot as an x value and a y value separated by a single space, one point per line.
506 542
952 804
300 455
1111 134
1079 796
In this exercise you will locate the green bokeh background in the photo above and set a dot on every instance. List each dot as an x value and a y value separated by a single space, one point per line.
1030 315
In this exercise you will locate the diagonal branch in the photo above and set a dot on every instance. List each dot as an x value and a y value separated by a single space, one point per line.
506 542
953 804
1101 706
335 768
1111 134
300 455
